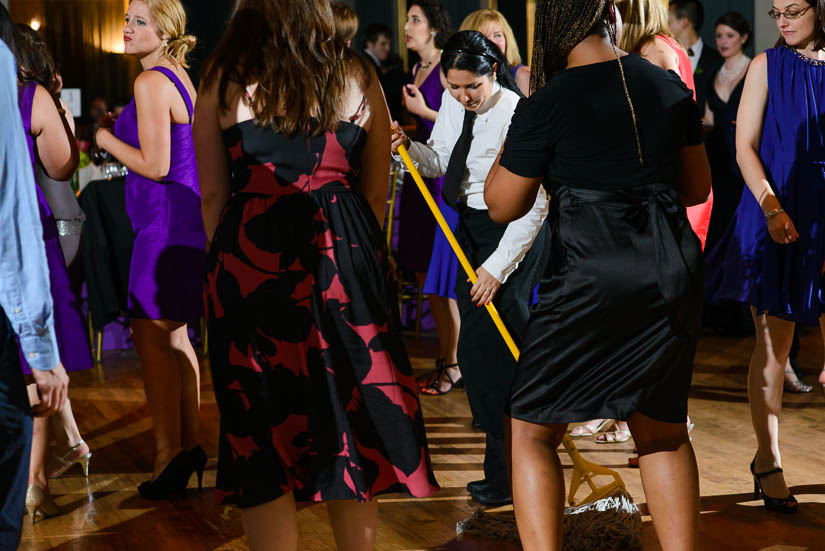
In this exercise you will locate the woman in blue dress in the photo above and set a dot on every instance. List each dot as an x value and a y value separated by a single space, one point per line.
773 253
422 248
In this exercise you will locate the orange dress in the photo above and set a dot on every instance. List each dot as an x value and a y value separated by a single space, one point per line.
699 215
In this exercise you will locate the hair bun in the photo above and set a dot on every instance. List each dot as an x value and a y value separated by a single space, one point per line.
187 40
178 46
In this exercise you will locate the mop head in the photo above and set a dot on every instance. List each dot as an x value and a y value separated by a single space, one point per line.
612 523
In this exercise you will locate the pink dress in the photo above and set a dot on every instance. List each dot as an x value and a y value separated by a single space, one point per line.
699 215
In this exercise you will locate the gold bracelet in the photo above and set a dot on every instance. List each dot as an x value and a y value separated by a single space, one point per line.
774 212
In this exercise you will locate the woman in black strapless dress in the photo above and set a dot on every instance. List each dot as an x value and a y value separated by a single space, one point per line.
617 144
312 379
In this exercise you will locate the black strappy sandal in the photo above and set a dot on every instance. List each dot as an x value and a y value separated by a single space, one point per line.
431 376
434 388
781 505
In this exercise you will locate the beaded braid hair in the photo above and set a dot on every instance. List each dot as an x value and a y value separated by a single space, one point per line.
560 26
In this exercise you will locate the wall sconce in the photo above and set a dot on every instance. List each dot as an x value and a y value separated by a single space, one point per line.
35 24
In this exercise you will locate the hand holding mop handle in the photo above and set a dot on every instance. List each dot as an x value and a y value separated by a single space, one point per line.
462 258
583 471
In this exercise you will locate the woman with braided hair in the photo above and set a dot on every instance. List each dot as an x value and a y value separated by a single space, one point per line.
617 143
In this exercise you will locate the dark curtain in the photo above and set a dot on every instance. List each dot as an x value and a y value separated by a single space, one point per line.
85 37
516 15
207 22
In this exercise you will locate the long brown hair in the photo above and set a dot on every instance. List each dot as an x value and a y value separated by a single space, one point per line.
346 21
36 62
290 50
642 20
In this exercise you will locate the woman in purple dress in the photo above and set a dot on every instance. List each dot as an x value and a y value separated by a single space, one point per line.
51 140
422 247
52 146
153 138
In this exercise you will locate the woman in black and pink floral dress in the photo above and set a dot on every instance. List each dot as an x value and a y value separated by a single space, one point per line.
311 375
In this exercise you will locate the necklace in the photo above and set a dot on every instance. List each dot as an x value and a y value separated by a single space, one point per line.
813 58
727 74
425 66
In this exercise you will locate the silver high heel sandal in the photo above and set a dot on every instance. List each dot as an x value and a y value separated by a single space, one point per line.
67 463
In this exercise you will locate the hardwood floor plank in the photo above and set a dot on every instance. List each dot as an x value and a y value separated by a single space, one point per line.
107 514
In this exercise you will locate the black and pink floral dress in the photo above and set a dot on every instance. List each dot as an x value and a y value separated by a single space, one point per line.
312 379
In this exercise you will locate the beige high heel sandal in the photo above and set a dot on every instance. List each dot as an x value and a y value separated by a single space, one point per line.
67 463
39 501
590 429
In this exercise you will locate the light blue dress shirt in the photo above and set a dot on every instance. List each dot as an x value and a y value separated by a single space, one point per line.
24 274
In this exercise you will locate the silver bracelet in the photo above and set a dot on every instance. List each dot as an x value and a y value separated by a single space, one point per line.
774 212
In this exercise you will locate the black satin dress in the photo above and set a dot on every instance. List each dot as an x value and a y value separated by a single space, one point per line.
618 318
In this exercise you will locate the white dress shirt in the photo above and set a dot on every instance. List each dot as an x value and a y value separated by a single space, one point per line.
489 132
697 53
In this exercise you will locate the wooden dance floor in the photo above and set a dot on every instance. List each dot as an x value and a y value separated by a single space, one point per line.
107 513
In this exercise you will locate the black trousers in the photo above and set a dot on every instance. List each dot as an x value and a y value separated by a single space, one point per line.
487 364
15 438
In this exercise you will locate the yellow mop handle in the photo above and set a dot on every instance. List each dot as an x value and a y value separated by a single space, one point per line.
462 258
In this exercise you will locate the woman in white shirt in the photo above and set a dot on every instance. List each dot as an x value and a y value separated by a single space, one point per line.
470 129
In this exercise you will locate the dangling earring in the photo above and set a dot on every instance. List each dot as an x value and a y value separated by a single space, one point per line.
613 22
433 33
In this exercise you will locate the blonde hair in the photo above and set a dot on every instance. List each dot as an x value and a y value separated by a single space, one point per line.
642 20
171 21
479 19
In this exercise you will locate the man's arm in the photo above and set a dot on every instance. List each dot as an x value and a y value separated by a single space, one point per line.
24 273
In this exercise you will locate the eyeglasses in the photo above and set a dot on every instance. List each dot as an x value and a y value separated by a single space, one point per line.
790 14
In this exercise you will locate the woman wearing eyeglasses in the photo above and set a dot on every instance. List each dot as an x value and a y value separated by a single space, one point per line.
762 259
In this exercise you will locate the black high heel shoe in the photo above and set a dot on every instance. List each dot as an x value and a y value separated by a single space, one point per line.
781 505
174 478
434 388
428 378
197 458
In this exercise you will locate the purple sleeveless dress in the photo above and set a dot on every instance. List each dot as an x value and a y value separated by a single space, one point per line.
72 341
746 265
170 243
417 226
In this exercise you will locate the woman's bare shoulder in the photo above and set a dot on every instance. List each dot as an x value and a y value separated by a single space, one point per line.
660 52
